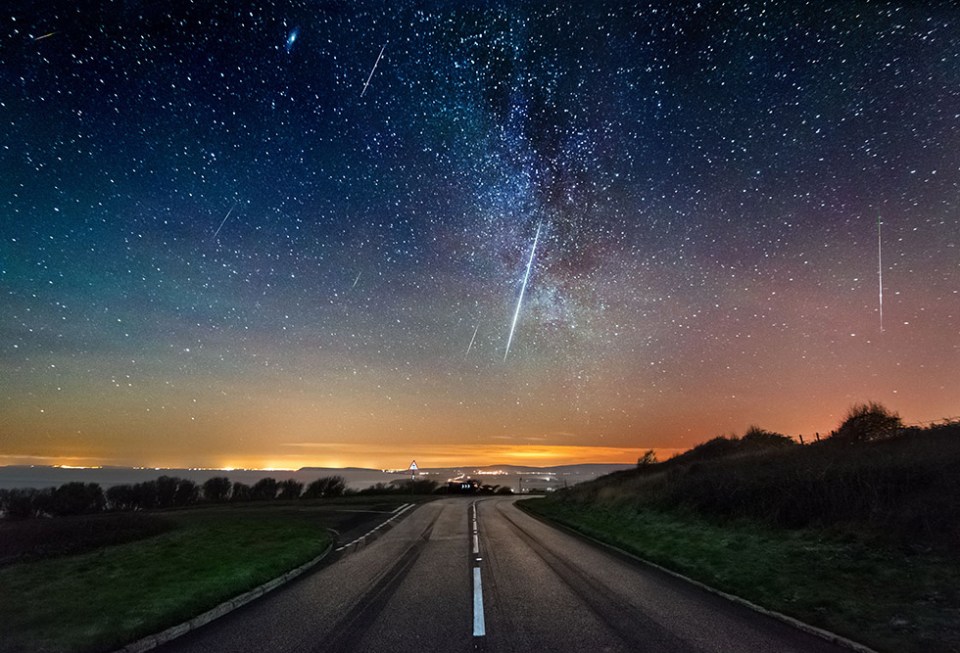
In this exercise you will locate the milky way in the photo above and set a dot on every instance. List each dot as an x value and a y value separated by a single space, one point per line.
709 178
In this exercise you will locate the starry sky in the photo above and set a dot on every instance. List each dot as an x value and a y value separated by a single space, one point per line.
275 234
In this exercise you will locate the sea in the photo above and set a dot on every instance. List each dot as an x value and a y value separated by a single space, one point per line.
519 479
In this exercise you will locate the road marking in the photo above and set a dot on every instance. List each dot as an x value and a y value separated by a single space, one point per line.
479 627
405 507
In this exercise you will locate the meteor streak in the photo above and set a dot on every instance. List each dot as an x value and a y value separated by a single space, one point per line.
470 346
373 70
523 289
222 222
880 269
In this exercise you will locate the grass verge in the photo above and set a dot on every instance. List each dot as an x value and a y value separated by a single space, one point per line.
105 598
866 590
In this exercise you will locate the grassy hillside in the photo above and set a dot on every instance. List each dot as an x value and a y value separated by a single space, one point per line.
859 533
906 486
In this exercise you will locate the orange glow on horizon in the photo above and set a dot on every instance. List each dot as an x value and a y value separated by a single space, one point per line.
427 457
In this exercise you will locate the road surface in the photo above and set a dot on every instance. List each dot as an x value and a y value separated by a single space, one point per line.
455 575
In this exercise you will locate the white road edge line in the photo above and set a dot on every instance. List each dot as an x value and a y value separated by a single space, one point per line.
479 628
792 621
396 513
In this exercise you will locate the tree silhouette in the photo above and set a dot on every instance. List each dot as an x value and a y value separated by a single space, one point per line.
122 497
216 489
19 503
290 489
265 488
241 492
167 491
76 499
146 495
187 492
326 487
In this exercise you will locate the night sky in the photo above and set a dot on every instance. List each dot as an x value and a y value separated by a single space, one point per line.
303 233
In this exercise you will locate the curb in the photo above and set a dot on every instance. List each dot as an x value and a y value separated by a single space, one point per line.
372 534
157 639
152 641
822 633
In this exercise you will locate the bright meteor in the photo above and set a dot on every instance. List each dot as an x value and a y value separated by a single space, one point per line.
224 221
523 289
373 70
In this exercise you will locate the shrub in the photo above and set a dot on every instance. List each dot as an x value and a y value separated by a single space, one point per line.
216 489
146 495
19 503
868 422
648 458
758 438
326 487
121 497
187 493
241 492
166 491
264 489
76 499
290 489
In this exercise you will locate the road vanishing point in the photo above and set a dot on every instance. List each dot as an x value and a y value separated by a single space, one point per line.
458 574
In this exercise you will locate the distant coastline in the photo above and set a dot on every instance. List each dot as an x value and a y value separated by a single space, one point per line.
356 478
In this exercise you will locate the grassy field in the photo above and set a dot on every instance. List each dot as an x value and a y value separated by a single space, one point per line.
865 588
103 598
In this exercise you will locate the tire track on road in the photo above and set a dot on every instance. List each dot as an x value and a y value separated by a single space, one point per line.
348 632
637 631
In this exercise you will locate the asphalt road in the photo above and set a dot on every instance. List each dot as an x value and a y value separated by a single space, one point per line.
428 584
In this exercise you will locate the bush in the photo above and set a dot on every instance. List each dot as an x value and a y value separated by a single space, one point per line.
187 493
19 503
265 489
121 497
76 499
241 492
868 422
290 489
326 487
648 458
216 489
758 438
146 495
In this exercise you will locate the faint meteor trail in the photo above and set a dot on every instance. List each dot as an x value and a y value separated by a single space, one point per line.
356 280
222 222
880 268
373 70
45 36
523 289
470 346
